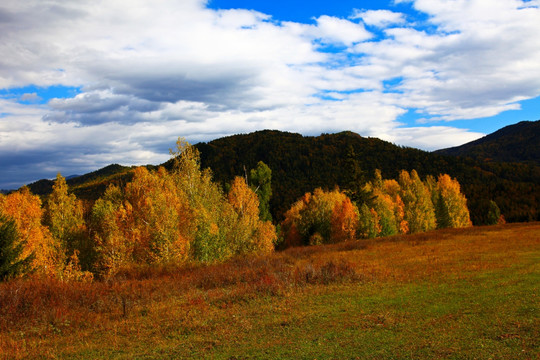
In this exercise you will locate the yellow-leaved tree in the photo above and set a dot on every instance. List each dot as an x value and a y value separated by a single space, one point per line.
450 204
64 217
419 210
149 222
248 234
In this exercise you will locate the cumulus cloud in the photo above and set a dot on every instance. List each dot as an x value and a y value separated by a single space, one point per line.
379 18
340 30
152 71
481 61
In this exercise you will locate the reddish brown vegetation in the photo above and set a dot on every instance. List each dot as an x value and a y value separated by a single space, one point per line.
47 303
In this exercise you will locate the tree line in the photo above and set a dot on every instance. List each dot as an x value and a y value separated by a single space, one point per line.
182 215
303 163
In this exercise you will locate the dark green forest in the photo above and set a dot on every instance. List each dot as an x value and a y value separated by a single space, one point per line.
300 164
514 143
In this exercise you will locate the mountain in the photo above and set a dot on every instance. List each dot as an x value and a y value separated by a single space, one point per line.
300 164
515 143
88 186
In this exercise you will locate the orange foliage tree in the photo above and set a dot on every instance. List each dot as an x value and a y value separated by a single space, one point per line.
321 217
149 222
25 209
162 217
158 217
344 221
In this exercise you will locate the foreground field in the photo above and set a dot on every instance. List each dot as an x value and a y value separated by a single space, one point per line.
456 294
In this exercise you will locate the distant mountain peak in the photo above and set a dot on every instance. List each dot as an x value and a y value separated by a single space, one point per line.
514 143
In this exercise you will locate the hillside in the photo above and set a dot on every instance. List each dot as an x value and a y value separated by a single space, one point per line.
300 164
515 143
87 186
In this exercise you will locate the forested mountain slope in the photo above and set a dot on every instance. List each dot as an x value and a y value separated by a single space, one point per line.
515 143
300 164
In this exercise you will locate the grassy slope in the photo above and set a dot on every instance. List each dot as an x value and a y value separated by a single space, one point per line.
458 294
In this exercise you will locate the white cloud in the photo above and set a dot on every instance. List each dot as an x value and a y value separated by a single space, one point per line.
151 71
379 18
431 138
334 29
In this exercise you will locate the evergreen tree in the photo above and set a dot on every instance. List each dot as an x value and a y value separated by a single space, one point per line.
11 249
355 179
261 183
494 214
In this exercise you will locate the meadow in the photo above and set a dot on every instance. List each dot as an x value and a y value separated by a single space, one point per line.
469 293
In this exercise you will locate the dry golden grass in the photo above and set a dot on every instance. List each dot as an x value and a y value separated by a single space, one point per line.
150 308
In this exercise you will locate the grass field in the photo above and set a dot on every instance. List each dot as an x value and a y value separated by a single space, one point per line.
451 294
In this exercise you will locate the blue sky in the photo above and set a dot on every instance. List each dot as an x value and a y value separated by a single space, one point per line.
88 83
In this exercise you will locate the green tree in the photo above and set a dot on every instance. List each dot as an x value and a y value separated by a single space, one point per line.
261 183
368 222
494 214
384 206
113 250
213 215
355 180
12 264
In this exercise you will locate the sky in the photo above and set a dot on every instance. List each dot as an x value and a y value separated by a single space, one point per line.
87 83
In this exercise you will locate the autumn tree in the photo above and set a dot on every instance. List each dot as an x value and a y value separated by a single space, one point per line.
419 209
149 222
25 210
212 214
12 261
64 217
289 226
321 217
159 217
344 221
114 250
392 189
248 234
451 204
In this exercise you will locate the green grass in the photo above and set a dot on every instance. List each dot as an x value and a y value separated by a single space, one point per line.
469 294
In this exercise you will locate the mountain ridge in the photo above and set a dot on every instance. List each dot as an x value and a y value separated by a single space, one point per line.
513 143
300 164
